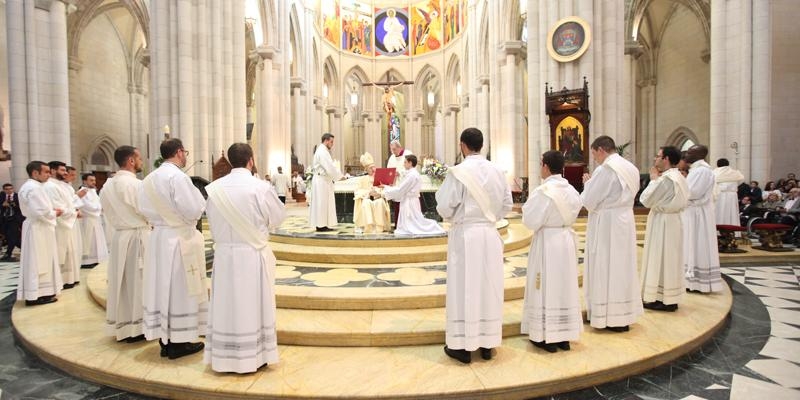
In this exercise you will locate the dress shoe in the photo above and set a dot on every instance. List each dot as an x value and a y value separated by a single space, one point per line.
618 328
670 307
548 347
163 348
178 350
460 355
486 354
68 286
324 229
88 266
41 300
134 339
563 345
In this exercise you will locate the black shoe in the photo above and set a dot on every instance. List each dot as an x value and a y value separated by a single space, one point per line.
178 350
41 300
460 355
68 286
9 258
88 266
670 307
163 348
324 229
563 345
618 328
486 354
548 347
656 305
134 339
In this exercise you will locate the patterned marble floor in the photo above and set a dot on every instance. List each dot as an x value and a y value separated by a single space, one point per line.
756 356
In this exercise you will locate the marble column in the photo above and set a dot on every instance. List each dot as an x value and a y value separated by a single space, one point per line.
197 77
484 111
761 159
300 121
335 123
450 145
507 142
414 140
38 83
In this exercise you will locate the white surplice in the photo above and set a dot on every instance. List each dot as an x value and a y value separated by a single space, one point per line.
611 279
398 162
93 236
40 274
474 302
129 234
68 237
370 214
552 308
241 326
410 220
700 253
662 263
727 199
174 307
322 210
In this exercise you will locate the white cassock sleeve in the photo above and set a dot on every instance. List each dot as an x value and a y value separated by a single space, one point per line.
188 201
399 192
38 208
655 192
700 184
598 188
271 207
449 196
534 212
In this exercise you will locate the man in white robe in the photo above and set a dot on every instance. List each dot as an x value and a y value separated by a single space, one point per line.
175 295
473 197
322 212
727 200
370 210
130 231
666 195
67 231
700 252
40 275
241 327
397 159
410 220
93 236
281 183
552 309
611 280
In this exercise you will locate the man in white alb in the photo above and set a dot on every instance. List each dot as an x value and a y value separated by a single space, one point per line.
727 183
662 266
397 160
281 183
40 274
611 280
68 241
175 295
241 326
410 220
322 212
93 237
129 234
552 310
473 197
700 252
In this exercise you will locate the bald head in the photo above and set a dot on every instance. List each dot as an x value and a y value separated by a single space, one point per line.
696 153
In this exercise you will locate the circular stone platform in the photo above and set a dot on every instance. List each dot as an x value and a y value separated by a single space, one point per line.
69 335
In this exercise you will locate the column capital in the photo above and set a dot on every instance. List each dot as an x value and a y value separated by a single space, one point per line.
483 80
633 48
75 63
417 115
452 108
267 52
516 48
336 111
297 82
145 57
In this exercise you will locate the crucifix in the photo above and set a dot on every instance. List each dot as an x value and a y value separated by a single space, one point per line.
392 122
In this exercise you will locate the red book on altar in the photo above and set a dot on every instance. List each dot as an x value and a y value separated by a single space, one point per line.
384 176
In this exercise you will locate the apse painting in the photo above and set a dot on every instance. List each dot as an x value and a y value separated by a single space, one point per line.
569 139
450 20
329 12
426 27
391 31
357 29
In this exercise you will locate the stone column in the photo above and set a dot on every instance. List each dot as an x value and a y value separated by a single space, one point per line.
301 120
484 110
761 143
335 118
264 110
413 135
450 147
507 142
38 83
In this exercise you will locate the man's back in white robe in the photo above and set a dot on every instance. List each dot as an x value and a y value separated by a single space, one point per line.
40 274
701 255
727 204
241 329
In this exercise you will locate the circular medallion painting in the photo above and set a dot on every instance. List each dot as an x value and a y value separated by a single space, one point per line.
568 39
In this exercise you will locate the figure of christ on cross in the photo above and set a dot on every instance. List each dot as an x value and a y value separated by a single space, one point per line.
388 105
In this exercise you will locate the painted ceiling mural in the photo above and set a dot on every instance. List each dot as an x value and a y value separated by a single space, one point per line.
412 29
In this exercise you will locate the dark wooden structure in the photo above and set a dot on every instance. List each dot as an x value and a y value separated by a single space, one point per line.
569 117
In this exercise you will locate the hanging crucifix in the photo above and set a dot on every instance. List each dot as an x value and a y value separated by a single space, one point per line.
388 102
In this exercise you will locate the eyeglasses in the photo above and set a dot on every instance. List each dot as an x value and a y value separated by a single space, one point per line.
186 152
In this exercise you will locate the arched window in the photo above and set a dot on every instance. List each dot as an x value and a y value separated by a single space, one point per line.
682 138
99 158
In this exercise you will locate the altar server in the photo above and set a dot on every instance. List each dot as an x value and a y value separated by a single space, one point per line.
727 183
410 220
241 327
68 242
93 237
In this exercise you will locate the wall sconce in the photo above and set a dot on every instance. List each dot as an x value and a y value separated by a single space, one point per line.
735 147
166 131
431 99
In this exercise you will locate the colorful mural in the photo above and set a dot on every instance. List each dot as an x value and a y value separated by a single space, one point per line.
426 26
357 27
391 31
329 12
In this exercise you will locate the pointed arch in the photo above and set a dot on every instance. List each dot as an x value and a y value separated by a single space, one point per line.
90 9
682 136
453 79
353 80
429 80
270 20
296 41
330 77
101 153
483 45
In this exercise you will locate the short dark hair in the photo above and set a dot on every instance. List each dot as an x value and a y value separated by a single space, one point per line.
604 142
685 155
5 185
554 161
123 153
326 136
752 182
672 154
723 162
86 176
34 166
239 154
472 138
54 165
170 147
412 159
71 168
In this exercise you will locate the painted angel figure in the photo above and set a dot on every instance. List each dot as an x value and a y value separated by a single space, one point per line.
393 40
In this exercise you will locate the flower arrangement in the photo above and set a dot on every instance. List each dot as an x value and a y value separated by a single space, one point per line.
308 174
434 169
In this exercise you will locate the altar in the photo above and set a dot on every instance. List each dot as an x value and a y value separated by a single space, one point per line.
344 189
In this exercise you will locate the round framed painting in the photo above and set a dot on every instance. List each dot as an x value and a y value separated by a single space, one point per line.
568 39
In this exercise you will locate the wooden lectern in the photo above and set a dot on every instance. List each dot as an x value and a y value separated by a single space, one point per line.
569 117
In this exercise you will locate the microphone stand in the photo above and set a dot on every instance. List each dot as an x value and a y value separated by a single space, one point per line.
192 165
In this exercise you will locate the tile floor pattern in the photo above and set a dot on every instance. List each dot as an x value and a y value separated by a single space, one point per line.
757 356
